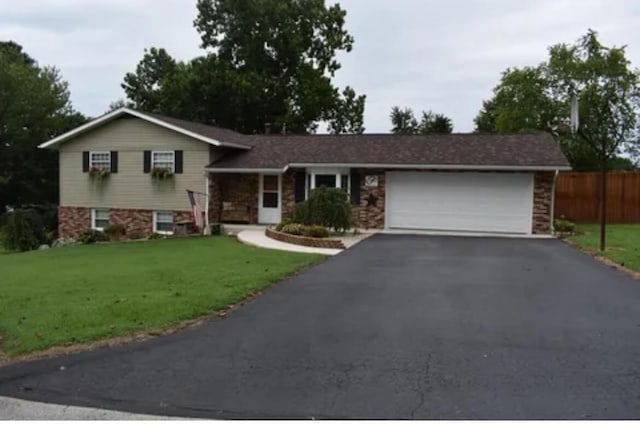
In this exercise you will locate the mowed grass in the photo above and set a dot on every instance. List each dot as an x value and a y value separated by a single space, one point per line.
623 242
84 293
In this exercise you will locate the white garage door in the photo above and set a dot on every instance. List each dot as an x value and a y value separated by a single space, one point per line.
466 201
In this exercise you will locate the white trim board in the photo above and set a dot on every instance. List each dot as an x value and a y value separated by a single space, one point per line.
385 166
126 111
523 168
465 234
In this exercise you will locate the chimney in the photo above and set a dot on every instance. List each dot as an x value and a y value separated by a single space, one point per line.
267 128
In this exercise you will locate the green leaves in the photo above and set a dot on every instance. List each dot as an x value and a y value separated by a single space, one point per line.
34 107
404 122
265 62
538 99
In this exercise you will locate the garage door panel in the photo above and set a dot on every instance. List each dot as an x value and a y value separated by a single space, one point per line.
460 201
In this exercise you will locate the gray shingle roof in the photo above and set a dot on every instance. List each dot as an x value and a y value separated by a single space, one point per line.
482 150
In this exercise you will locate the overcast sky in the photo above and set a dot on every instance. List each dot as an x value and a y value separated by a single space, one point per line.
443 55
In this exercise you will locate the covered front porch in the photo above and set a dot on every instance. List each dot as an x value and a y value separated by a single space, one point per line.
268 196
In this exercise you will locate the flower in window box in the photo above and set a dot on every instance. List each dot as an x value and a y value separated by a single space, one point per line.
98 173
161 173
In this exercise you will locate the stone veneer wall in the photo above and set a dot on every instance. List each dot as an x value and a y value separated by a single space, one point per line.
72 221
370 212
542 200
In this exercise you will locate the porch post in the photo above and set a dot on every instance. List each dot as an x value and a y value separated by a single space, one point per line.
207 229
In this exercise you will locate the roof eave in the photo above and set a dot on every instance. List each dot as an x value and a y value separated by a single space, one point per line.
434 166
214 170
124 110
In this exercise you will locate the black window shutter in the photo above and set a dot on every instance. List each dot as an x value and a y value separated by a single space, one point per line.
147 161
355 187
114 162
85 161
178 158
299 189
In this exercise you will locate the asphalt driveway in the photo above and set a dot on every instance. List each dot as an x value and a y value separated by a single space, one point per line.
396 327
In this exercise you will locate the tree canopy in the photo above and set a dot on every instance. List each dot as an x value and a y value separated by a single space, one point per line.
403 121
34 107
539 99
265 62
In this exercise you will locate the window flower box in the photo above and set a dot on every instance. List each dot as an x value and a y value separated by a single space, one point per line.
98 173
161 173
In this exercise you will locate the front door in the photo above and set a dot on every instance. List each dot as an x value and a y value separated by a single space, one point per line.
269 210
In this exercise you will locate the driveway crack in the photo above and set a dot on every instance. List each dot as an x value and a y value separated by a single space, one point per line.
420 388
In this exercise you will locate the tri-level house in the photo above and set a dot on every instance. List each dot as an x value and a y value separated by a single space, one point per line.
133 168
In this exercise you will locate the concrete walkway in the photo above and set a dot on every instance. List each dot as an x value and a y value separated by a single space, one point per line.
18 409
259 239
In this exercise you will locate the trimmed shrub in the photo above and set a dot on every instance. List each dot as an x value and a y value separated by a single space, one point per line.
326 207
115 231
316 231
564 226
90 236
293 229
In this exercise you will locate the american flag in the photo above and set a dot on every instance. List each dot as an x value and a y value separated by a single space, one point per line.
196 208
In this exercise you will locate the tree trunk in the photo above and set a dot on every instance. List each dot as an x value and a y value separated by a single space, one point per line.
603 204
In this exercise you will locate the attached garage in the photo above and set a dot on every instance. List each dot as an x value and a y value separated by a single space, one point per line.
460 201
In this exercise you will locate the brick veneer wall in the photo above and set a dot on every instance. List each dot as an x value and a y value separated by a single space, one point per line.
288 193
542 200
369 213
240 192
72 221
304 241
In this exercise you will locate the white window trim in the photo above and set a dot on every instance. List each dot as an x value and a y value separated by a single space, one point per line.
173 155
155 222
93 218
99 153
338 172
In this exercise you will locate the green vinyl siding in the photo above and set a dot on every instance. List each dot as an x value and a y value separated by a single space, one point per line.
130 187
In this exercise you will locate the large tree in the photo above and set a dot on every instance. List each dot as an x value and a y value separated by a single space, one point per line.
521 102
539 99
526 100
403 121
34 107
265 62
608 95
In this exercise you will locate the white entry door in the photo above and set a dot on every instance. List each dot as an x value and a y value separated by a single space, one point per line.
466 201
270 208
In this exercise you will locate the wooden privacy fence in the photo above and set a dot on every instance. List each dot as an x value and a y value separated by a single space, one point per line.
578 196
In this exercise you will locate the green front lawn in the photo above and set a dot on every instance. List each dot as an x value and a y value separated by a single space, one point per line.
623 242
84 293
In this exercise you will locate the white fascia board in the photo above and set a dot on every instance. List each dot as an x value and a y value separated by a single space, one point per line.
435 167
244 170
124 110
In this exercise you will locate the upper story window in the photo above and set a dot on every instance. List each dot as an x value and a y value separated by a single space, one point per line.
164 160
100 160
